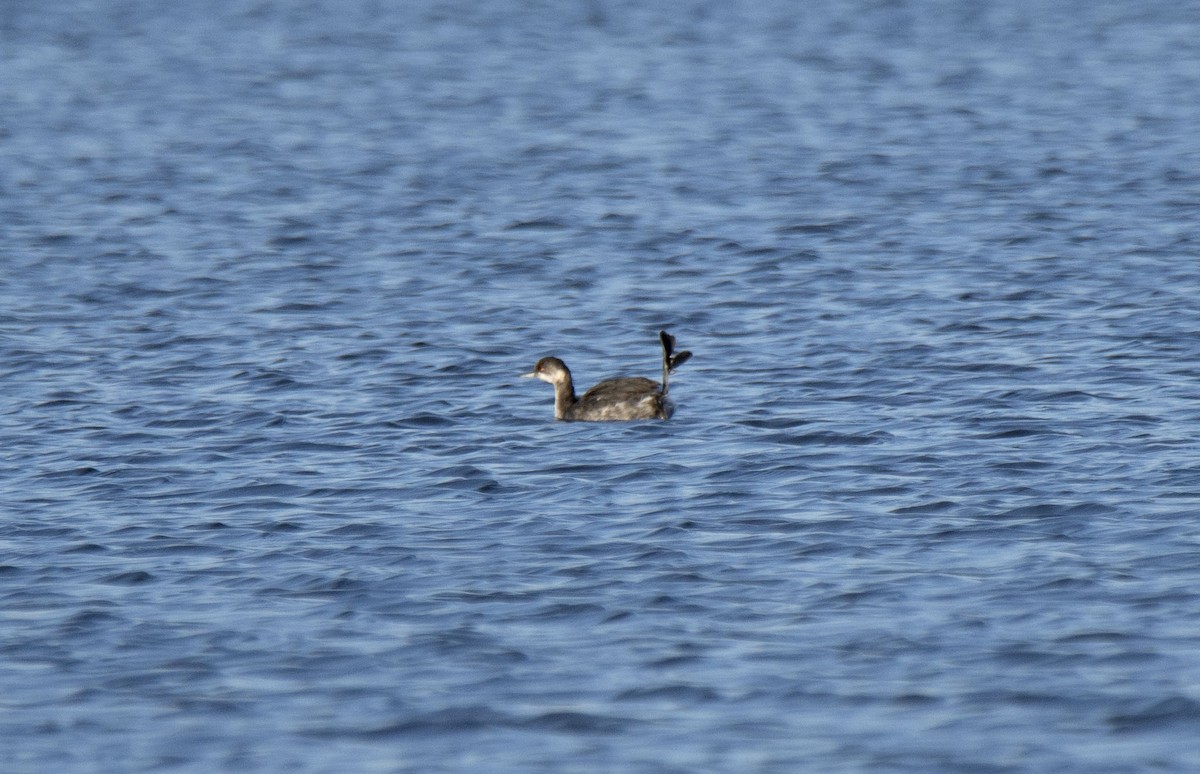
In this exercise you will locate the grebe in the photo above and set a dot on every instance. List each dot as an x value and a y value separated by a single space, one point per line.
622 398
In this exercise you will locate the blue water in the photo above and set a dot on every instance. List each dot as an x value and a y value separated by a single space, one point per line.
273 498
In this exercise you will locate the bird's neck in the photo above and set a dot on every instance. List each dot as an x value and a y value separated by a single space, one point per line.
564 397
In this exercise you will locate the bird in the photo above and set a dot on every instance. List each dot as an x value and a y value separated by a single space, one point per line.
613 400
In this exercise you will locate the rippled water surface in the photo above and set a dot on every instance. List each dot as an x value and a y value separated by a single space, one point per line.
273 498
